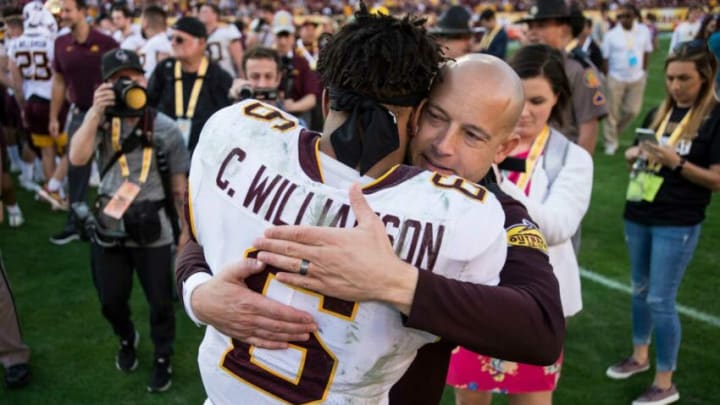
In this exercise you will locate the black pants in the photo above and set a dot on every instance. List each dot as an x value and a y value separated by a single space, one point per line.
78 176
113 277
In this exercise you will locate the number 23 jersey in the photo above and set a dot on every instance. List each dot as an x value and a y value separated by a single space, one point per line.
254 167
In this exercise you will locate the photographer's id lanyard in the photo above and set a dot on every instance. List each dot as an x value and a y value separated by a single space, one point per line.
128 191
184 120
536 150
630 46
646 184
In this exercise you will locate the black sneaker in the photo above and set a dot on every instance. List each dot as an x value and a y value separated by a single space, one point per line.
126 359
64 237
160 379
17 376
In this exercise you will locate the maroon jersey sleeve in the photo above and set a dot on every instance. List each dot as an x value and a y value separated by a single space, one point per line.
190 260
496 321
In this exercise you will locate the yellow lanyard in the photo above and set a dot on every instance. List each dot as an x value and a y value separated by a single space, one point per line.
674 137
535 151
629 40
194 94
122 161
487 39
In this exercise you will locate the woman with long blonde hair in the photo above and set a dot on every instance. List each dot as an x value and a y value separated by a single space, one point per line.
674 171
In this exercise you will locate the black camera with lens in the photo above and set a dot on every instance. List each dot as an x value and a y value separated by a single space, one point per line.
130 99
259 93
94 230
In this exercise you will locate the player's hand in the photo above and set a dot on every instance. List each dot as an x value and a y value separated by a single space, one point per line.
226 303
54 127
103 97
355 264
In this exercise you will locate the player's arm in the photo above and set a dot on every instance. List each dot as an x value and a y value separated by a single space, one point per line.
57 99
236 53
83 141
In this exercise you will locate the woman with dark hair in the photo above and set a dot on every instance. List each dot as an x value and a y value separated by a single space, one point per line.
673 176
707 27
555 188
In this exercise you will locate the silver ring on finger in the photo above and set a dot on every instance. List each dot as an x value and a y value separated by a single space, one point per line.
304 267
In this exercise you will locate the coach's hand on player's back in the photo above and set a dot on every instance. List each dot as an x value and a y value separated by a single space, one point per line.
226 303
355 264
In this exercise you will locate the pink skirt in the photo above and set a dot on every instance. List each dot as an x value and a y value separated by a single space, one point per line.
476 372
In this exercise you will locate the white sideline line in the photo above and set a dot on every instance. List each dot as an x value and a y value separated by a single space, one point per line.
615 285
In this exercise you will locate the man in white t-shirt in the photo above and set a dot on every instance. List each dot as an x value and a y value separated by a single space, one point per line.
223 44
158 47
127 34
626 49
686 31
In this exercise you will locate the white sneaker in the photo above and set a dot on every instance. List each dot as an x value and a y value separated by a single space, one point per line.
610 150
15 219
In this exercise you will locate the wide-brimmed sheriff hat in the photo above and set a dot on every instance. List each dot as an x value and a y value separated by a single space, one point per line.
547 10
454 21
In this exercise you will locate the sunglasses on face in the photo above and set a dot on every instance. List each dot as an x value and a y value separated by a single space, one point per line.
623 16
176 39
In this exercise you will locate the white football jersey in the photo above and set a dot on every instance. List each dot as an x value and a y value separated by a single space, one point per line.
217 46
33 54
255 167
158 44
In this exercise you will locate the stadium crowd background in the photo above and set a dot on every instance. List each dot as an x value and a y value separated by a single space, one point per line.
324 17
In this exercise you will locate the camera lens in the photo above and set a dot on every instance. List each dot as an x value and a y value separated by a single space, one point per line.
246 92
135 97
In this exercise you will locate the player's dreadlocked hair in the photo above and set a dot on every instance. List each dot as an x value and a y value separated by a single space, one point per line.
380 57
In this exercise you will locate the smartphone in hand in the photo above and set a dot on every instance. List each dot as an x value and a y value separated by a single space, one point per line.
645 135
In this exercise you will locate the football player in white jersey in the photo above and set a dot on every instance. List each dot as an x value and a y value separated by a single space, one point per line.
255 167
127 34
223 43
158 47
31 57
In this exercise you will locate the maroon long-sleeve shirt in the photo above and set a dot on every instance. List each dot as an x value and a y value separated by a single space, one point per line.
520 320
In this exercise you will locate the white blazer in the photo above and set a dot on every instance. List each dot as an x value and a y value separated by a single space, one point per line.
558 211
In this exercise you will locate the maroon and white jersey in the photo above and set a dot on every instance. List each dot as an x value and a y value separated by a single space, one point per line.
218 44
154 48
33 53
255 167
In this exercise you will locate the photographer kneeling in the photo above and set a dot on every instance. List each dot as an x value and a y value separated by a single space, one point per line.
131 226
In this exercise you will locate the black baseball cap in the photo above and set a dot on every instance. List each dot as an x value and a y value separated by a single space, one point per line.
118 59
191 26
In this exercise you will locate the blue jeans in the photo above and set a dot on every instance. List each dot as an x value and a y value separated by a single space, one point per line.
659 256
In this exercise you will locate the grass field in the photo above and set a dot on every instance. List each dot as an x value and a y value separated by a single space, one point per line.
74 348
